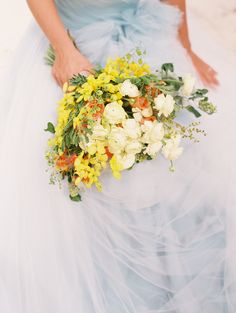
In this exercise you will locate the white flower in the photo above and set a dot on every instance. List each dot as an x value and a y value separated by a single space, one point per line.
164 104
126 160
137 114
133 147
132 128
147 112
99 132
129 89
172 150
153 148
114 113
153 132
117 140
188 86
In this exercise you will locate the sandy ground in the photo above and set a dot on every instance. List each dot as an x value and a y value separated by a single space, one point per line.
217 17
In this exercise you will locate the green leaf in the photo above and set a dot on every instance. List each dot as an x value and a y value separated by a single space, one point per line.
78 80
128 56
76 198
191 109
50 128
168 67
63 145
139 52
199 93
177 84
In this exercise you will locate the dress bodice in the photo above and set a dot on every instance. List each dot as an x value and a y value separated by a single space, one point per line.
137 14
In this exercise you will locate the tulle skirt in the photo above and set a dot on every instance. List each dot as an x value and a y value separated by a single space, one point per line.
152 242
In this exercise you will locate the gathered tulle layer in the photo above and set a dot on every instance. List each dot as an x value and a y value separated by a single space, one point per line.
152 242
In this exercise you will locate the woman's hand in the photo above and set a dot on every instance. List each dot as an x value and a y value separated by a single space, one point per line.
207 74
69 62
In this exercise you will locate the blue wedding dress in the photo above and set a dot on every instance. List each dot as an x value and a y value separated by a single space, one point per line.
153 242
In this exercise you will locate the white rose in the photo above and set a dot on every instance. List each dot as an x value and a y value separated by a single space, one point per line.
188 86
153 148
99 132
133 147
117 140
132 128
114 113
172 150
153 132
129 89
126 160
164 104
147 112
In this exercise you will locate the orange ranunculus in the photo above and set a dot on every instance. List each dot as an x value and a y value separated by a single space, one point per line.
151 119
141 103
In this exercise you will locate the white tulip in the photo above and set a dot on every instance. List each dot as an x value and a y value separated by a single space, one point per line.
188 86
129 89
172 150
164 104
114 113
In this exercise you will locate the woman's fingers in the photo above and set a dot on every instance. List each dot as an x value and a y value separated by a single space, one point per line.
207 74
209 78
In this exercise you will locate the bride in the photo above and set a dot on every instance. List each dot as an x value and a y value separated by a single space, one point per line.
153 242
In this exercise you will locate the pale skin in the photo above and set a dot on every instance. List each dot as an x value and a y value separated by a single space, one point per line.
69 60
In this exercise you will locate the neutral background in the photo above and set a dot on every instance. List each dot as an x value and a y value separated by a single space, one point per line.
217 17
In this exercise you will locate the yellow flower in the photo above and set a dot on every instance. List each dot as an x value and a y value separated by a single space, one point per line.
115 167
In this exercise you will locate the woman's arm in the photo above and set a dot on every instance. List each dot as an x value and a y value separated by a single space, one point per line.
207 74
69 61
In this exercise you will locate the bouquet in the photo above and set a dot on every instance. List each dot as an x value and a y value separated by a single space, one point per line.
120 115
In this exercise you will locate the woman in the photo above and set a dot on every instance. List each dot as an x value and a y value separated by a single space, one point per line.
153 242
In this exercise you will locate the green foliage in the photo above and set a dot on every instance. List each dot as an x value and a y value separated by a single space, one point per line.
50 128
207 106
78 80
76 198
191 109
167 67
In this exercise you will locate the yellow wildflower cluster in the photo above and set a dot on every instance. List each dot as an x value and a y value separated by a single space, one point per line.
88 166
122 68
64 110
102 83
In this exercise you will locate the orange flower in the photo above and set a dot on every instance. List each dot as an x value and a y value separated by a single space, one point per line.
108 153
99 109
65 162
152 90
141 103
151 119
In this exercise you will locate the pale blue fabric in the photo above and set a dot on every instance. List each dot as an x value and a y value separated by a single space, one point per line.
105 28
